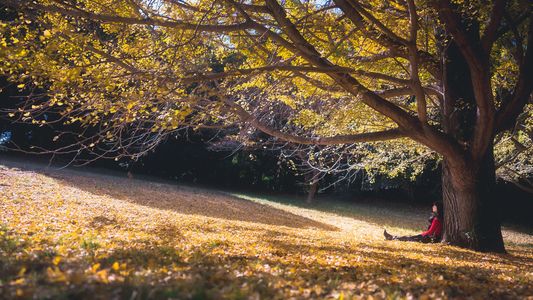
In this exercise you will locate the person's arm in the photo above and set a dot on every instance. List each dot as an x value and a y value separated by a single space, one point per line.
435 227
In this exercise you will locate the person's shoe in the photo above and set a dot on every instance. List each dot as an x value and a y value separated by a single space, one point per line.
388 236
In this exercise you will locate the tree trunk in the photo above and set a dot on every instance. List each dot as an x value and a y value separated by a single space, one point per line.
313 187
471 217
468 187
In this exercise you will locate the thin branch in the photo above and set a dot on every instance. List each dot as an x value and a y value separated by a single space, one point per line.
381 76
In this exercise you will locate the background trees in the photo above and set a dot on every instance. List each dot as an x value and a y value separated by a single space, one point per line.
440 75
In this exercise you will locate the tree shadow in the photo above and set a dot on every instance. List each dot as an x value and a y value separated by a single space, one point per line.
165 196
199 273
373 211
288 262
378 212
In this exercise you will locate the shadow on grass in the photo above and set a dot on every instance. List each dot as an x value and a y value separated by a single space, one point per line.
180 199
373 211
377 212
381 271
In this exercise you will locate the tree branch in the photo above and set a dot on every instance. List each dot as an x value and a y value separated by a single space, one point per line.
489 36
334 140
479 66
452 21
507 114
405 91
413 62
381 76
376 57
373 20
407 123
395 47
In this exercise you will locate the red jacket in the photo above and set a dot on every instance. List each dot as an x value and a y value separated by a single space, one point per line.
435 229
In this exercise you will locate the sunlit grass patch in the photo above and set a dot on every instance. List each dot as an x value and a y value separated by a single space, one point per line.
68 234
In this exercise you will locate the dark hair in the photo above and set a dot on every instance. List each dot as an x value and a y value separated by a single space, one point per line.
440 209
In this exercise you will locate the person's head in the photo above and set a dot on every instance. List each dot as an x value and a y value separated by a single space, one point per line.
437 208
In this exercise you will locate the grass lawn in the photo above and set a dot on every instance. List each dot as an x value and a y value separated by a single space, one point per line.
68 234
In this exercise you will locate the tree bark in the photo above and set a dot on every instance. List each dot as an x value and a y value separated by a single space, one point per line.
471 217
468 180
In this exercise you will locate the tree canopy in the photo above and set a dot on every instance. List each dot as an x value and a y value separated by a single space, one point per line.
345 71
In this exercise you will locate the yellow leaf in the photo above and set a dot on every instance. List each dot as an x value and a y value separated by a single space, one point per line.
115 266
18 281
95 267
55 275
102 275
56 260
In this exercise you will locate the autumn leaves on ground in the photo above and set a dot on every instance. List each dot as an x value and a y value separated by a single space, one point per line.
76 234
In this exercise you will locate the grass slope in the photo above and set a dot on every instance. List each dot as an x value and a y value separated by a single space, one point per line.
70 234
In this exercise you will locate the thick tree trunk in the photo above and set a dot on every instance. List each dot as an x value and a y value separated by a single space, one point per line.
471 217
468 185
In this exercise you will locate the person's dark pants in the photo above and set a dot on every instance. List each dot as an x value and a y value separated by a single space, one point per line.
414 238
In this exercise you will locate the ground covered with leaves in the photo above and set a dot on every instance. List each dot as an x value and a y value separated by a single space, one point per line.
73 234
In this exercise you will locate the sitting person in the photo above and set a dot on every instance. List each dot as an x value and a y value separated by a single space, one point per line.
432 234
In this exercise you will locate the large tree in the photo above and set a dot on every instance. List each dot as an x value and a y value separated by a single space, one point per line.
446 75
